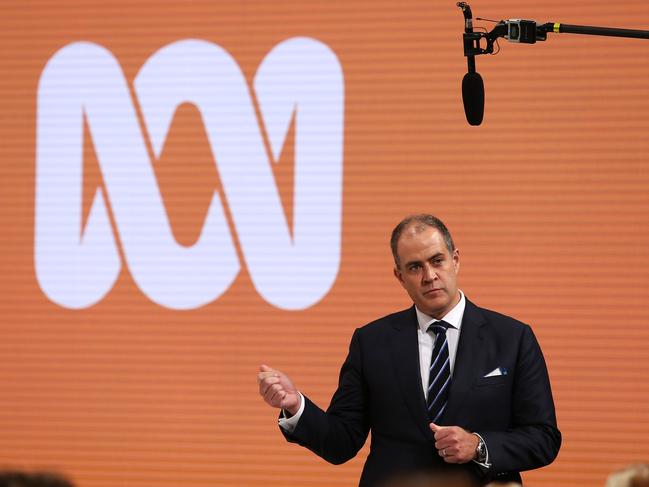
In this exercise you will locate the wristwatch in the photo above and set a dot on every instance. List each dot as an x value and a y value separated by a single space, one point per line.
481 451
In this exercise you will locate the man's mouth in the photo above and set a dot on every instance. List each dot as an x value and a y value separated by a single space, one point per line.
432 291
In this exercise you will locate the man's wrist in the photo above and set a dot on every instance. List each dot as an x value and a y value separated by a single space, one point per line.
292 411
481 455
288 423
288 413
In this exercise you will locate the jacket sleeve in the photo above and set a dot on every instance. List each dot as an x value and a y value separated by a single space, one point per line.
339 433
533 439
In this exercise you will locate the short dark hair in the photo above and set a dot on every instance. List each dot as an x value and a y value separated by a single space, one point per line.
420 222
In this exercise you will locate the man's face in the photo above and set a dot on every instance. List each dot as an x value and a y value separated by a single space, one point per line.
428 271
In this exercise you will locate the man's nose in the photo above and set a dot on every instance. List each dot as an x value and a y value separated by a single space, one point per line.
429 273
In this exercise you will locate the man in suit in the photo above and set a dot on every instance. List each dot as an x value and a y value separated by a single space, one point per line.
491 415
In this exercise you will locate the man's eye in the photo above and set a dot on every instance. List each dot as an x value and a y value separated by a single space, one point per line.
414 267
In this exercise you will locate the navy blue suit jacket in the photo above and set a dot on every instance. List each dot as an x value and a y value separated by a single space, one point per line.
380 391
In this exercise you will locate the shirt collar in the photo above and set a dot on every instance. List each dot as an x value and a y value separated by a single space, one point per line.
453 317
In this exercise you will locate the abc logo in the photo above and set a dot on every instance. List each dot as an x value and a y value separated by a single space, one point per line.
291 268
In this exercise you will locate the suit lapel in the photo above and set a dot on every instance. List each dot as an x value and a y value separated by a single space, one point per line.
469 355
405 356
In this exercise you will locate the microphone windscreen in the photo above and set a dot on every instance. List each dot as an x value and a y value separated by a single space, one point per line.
473 97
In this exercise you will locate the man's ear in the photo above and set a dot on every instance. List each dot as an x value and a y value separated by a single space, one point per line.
456 260
397 274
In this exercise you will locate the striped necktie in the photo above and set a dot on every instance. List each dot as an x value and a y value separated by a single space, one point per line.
439 373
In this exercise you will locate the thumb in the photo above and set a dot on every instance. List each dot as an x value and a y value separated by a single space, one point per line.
264 368
434 427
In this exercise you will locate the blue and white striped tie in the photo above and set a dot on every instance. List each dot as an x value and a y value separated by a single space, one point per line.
439 377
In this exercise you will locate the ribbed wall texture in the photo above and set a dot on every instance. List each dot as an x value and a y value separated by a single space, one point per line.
548 201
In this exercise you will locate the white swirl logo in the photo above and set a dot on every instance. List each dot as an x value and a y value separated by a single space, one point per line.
76 266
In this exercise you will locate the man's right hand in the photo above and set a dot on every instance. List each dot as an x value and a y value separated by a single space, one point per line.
278 390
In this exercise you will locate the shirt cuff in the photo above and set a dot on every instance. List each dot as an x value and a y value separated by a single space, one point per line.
486 465
288 424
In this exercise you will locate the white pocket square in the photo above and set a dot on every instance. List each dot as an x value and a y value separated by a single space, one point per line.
497 371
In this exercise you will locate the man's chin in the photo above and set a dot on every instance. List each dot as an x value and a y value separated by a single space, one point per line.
434 304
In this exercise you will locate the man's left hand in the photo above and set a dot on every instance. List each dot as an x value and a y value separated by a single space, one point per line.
454 444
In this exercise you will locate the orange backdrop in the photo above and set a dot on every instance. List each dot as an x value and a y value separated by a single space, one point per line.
548 202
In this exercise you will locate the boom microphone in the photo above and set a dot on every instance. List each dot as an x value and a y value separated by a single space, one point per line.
473 97
472 84
519 31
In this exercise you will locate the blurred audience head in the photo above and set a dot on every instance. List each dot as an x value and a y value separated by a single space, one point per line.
14 478
632 476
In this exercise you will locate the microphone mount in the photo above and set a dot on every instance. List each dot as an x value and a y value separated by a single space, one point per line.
529 32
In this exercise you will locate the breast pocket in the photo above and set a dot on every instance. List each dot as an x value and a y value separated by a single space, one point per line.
496 380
